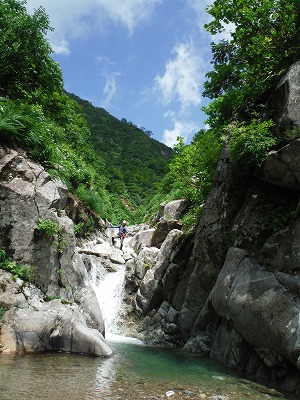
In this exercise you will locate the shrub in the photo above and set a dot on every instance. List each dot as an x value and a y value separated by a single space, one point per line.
48 227
52 229
17 270
251 143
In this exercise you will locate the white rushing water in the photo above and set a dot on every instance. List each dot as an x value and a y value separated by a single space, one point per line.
109 291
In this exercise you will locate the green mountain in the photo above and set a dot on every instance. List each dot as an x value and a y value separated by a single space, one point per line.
113 167
134 161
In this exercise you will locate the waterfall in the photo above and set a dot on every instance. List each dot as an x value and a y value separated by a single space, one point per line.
109 289
108 282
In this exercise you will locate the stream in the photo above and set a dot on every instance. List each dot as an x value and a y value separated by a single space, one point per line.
135 371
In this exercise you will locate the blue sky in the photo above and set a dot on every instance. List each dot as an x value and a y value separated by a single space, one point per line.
143 60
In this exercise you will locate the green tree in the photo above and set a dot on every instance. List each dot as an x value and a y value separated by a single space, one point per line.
192 166
264 43
25 56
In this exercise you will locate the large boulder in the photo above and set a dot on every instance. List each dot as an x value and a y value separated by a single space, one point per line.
142 239
149 294
259 305
283 105
27 195
172 210
282 167
167 220
32 325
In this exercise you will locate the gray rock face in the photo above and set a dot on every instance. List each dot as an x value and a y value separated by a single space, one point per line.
236 292
150 293
285 101
27 193
33 325
282 167
245 292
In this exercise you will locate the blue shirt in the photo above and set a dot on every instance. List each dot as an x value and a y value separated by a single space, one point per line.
122 229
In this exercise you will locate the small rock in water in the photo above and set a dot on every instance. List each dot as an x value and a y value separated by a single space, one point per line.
221 378
187 393
170 393
272 392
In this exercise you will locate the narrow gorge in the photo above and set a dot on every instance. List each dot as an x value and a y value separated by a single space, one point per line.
229 292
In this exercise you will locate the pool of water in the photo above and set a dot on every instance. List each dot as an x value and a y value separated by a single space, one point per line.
134 372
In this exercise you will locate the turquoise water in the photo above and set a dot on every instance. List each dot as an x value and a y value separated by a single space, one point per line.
134 372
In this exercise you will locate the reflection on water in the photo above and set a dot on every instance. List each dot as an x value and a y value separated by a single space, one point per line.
134 372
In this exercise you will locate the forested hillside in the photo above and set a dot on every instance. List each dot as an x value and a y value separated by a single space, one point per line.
135 162
110 165
114 167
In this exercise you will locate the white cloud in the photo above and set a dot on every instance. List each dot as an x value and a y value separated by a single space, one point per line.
110 73
183 129
78 18
110 90
182 78
61 48
129 13
203 18
200 9
180 87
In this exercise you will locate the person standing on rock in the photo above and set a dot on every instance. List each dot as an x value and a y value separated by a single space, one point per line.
121 233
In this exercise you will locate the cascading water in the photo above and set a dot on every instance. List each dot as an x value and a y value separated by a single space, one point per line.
108 282
109 290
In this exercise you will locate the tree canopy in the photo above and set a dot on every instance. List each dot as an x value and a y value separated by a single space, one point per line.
25 56
264 42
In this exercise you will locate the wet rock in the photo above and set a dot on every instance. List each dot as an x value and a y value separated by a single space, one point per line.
142 239
201 344
49 326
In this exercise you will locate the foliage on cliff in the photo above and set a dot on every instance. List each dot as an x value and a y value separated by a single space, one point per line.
264 42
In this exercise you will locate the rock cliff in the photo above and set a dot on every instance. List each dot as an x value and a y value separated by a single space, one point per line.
232 292
58 310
